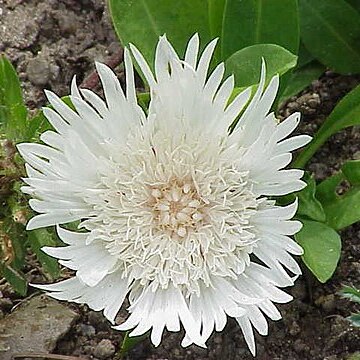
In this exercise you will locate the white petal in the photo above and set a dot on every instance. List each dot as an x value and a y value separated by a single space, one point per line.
192 51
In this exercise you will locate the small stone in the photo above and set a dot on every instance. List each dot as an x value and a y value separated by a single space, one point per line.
86 330
327 302
104 349
300 346
38 71
320 170
36 325
5 304
67 23
294 328
356 155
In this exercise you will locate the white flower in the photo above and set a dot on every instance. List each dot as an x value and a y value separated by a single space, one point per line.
175 211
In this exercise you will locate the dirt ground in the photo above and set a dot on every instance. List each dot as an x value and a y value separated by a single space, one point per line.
50 41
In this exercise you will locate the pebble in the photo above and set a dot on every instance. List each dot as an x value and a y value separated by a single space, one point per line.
68 23
36 325
300 346
294 328
5 304
327 302
104 349
38 71
320 170
86 330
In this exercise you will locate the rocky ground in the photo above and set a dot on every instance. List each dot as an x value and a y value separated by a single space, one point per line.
50 41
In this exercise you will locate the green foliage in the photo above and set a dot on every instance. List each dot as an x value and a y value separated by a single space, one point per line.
14 240
39 238
13 112
322 248
250 22
341 210
301 78
330 30
142 22
246 63
12 252
129 342
15 278
355 320
353 294
345 114
309 206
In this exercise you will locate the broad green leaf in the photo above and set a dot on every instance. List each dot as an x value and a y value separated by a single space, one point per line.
39 238
13 112
309 205
245 64
345 114
354 3
355 320
304 57
15 278
216 16
330 30
351 170
322 247
141 22
250 22
341 210
351 293
301 78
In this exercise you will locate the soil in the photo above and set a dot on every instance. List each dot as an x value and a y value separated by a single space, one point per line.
50 41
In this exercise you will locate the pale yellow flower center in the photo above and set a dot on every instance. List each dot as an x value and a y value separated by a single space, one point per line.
177 207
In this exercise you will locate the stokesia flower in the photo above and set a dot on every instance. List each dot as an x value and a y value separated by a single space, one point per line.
175 211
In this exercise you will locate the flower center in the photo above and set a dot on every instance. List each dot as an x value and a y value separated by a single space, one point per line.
176 207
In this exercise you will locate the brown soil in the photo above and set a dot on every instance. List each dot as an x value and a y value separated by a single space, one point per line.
49 42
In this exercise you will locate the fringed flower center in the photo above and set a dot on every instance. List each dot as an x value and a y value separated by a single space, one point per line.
176 207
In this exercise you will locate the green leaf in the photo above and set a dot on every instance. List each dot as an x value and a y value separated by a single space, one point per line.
301 78
216 16
141 22
355 321
351 170
13 112
309 205
330 30
245 64
304 57
250 22
351 293
354 3
345 114
341 210
15 278
322 248
39 238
